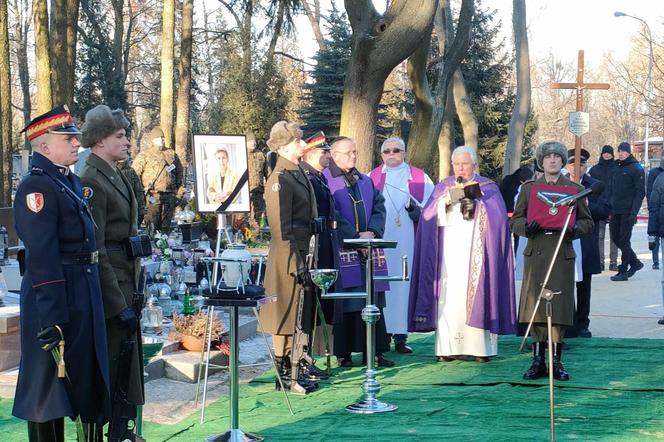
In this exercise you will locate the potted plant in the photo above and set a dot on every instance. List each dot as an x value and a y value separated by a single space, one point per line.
190 331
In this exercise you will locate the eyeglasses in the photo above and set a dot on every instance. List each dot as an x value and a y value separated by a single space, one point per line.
349 153
395 150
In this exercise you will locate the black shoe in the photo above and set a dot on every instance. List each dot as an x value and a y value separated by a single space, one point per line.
312 372
661 321
634 268
585 333
538 367
655 266
622 276
345 361
402 347
613 267
482 359
559 372
284 369
382 362
444 358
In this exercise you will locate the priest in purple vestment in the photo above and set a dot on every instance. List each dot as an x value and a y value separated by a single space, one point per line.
463 271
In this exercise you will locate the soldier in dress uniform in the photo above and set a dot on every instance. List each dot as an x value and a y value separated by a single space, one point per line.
316 158
551 156
61 297
114 209
291 206
162 175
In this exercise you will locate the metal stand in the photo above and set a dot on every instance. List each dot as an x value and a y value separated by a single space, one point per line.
370 315
234 434
548 295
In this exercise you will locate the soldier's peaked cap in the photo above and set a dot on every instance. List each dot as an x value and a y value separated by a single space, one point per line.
316 141
56 121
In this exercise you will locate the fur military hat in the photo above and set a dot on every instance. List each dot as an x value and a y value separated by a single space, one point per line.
549 147
100 122
283 133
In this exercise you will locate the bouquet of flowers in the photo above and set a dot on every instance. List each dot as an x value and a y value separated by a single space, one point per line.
163 247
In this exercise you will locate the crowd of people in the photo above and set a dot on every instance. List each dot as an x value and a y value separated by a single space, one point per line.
460 236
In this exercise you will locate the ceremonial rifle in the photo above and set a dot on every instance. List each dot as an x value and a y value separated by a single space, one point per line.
123 414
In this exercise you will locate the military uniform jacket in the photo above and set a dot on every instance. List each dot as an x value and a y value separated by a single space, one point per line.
150 165
53 221
291 205
114 209
537 256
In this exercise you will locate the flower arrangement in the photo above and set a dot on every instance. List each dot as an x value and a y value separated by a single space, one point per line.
163 249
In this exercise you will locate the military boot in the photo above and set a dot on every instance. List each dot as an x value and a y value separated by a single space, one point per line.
538 367
559 372
284 371
311 372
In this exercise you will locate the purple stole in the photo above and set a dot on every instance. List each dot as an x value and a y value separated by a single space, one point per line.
349 263
415 186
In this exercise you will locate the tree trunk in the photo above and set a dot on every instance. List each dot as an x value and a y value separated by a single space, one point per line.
166 101
446 137
427 124
464 111
43 62
380 43
517 127
314 18
276 33
184 89
21 27
6 147
62 49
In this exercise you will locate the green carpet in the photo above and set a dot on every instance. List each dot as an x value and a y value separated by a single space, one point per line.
616 394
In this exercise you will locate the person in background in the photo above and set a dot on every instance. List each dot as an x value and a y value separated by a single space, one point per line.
603 171
652 176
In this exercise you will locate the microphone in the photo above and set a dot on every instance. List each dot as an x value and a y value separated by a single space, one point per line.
597 187
459 180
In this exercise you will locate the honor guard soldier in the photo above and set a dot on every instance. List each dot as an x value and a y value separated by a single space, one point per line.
291 207
527 221
61 305
114 208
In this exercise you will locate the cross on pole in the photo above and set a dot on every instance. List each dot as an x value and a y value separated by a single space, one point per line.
579 86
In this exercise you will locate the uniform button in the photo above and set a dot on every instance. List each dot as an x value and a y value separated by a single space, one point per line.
87 240
88 270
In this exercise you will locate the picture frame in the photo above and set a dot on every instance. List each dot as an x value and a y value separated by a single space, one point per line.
212 187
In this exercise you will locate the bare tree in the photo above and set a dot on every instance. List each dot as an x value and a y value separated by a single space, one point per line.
6 145
521 111
167 45
22 20
465 112
380 42
184 88
313 14
43 60
62 48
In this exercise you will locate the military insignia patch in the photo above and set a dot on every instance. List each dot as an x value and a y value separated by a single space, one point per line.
35 201
276 187
87 192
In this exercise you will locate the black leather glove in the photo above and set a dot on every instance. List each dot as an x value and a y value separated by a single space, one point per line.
570 233
128 320
468 208
632 219
533 228
49 338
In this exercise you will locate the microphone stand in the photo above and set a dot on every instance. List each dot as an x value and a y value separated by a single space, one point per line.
547 295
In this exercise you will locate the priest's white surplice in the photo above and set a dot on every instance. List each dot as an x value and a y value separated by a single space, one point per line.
399 227
453 335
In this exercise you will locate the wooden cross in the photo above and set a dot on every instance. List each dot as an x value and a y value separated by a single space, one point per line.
580 86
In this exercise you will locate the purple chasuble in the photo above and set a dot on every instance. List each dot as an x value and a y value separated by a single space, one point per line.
492 306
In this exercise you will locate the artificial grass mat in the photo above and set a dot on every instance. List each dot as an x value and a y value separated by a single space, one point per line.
616 393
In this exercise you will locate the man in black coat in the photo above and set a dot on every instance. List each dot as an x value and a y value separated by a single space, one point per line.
656 218
603 171
600 208
653 242
627 192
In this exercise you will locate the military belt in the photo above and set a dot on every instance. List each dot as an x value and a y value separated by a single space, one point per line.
80 258
114 246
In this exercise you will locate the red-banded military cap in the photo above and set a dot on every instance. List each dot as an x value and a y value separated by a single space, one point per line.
56 121
316 141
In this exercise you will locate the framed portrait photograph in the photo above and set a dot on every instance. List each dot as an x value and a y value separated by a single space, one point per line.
220 161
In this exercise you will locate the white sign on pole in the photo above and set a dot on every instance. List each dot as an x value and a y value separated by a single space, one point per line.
579 123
